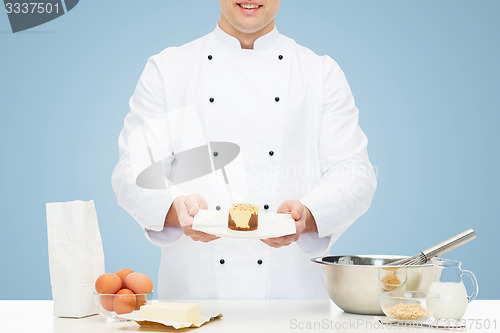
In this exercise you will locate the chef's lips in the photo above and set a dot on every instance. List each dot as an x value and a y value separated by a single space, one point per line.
249 7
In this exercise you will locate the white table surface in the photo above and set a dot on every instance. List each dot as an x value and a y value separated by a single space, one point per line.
239 316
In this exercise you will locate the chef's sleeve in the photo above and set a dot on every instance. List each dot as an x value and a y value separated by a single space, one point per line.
348 180
142 141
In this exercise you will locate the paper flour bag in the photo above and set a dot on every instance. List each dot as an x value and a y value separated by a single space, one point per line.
76 258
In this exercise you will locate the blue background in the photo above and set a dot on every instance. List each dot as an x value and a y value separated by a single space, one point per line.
425 75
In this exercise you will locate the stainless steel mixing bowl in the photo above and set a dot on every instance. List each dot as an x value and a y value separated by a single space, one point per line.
354 282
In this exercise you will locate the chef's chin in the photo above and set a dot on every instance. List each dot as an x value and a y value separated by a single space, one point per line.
251 19
250 25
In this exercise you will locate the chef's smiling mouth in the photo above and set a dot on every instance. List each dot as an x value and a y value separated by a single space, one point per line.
249 5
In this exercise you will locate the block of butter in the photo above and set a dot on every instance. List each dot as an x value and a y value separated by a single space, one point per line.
181 312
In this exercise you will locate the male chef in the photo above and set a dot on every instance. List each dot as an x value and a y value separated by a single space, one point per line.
302 152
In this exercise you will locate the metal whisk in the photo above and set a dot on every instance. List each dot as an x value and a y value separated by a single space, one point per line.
436 250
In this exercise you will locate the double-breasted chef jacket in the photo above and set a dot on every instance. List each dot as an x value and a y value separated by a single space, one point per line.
293 116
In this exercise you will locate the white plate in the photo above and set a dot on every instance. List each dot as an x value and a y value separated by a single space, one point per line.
270 225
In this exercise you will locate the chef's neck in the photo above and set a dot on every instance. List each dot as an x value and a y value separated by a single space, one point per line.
246 39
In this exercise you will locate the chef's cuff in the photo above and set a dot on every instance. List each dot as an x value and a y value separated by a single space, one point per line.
320 212
316 243
165 237
154 218
313 245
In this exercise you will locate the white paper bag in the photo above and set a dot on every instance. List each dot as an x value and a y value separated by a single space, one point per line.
76 257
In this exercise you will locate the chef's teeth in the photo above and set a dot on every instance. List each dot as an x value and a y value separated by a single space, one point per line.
248 6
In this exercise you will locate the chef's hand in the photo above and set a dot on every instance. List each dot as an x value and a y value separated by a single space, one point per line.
182 212
304 222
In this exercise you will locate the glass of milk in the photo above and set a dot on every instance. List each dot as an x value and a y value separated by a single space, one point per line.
448 284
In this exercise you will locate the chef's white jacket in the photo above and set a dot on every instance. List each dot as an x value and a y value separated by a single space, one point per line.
293 116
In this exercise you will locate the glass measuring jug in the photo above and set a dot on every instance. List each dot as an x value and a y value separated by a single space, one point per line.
448 284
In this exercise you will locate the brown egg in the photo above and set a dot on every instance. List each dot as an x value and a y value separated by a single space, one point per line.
122 273
108 283
124 301
140 301
139 283
107 302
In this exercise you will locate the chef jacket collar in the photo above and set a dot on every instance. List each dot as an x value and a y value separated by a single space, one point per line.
265 42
